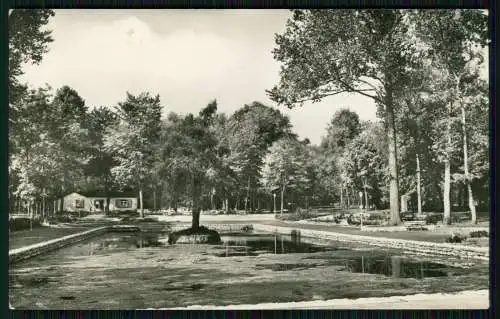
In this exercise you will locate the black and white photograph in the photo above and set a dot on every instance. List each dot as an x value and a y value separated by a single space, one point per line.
248 159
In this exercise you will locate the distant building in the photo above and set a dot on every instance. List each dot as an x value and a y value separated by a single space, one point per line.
96 202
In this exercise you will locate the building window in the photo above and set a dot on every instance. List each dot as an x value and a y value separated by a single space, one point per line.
123 203
79 203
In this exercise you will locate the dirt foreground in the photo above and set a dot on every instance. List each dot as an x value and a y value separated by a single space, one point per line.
476 299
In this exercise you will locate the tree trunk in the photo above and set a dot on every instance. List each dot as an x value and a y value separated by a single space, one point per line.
195 224
419 196
366 199
141 204
154 198
472 206
341 197
106 191
30 210
61 205
274 204
62 194
175 200
348 197
212 206
393 165
282 193
246 198
447 177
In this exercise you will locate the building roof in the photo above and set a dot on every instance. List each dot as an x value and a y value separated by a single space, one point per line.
109 194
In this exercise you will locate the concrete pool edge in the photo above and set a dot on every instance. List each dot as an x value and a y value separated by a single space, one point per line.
26 252
469 299
421 247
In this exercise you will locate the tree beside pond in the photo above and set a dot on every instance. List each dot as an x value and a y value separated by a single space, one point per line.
190 154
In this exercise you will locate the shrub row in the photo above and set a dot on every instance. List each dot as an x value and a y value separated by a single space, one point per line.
459 238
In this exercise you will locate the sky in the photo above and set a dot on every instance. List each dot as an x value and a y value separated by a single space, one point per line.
188 57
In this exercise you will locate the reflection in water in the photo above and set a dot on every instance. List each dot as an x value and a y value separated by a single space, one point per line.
396 267
376 263
120 242
252 245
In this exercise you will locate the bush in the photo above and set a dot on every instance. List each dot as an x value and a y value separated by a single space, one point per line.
433 219
128 219
479 233
66 218
147 220
460 217
214 235
22 223
300 214
247 228
456 238
353 220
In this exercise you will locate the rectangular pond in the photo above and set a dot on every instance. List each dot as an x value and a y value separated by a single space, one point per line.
141 270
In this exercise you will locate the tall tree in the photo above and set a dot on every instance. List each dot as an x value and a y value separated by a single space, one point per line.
286 167
28 42
98 122
65 124
329 52
343 128
456 38
250 132
132 141
190 152
365 163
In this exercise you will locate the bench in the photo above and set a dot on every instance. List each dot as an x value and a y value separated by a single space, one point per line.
415 225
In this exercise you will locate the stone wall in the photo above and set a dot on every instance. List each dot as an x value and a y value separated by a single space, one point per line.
420 247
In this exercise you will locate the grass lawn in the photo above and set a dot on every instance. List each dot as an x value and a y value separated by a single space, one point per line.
39 234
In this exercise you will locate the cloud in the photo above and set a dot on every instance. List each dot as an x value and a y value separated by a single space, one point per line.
104 55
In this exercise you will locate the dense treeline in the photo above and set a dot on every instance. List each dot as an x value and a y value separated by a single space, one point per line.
436 130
